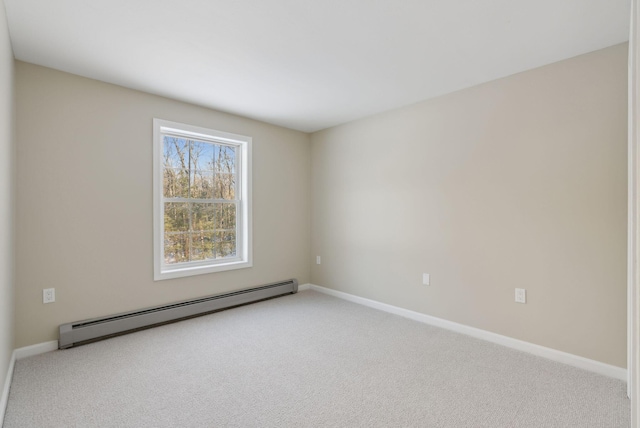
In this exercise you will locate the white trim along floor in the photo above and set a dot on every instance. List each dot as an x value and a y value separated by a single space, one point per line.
541 351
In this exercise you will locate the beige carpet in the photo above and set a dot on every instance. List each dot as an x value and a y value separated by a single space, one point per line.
306 360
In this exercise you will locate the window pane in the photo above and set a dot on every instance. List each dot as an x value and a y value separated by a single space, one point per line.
201 185
225 159
225 217
225 244
201 156
176 247
202 246
225 186
175 152
202 217
175 183
176 217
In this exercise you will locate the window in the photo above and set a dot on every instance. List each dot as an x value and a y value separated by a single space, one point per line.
202 200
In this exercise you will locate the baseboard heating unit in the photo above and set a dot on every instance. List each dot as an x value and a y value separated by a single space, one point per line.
78 333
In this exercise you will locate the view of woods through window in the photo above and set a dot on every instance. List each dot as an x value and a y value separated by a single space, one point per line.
199 197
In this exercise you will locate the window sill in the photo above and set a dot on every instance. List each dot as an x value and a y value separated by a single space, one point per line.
180 272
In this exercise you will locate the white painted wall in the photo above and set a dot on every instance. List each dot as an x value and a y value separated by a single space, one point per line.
6 198
516 183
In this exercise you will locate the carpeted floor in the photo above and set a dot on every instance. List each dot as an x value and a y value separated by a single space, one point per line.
306 360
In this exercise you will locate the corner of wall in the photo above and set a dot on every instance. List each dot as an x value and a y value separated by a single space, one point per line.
7 208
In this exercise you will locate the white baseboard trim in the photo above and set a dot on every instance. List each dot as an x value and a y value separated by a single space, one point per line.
303 287
4 399
37 349
18 354
509 342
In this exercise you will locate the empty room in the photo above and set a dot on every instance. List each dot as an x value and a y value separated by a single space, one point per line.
319 214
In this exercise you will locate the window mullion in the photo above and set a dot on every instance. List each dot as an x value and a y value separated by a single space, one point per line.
202 201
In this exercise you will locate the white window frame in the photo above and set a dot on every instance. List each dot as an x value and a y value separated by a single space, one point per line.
244 257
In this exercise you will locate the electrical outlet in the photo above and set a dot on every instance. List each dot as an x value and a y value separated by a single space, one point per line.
521 295
426 279
318 260
48 295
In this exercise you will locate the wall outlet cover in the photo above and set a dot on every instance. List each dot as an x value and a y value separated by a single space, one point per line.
48 295
426 279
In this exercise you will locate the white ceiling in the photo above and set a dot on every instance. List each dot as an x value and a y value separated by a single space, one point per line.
308 64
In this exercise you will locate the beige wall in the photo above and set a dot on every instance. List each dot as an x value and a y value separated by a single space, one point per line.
520 182
85 201
6 198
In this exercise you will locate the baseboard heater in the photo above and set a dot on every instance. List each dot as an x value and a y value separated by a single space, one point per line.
81 332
